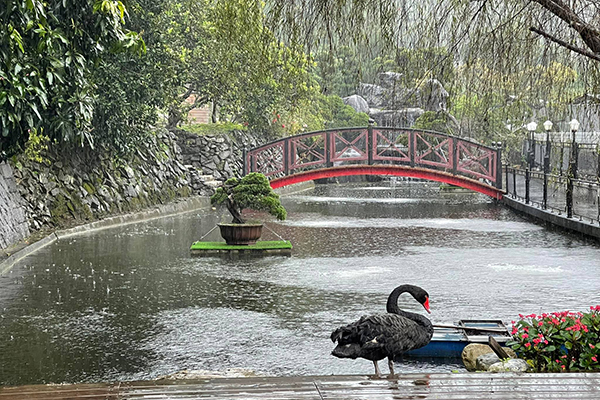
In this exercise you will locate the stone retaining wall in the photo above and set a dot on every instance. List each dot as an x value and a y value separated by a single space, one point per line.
13 223
79 185
217 155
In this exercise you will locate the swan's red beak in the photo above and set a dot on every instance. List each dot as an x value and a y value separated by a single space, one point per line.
426 305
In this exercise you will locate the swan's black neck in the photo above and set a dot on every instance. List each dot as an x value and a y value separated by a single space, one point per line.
392 306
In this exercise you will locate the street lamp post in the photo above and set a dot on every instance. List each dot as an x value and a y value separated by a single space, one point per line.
548 127
572 171
531 127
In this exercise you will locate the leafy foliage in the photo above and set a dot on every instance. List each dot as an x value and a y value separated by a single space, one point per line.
47 54
253 191
433 121
321 112
560 341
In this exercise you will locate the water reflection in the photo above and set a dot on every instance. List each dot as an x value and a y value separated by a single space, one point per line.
130 303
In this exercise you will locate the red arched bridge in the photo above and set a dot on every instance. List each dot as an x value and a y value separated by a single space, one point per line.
379 151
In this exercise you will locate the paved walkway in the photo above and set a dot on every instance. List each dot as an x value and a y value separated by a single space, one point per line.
410 386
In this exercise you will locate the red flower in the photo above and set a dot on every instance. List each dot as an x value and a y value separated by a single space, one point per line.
594 359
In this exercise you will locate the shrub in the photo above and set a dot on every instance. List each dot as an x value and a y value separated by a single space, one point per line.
560 341
253 191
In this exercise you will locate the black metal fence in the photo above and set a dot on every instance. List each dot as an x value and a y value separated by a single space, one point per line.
574 198
560 173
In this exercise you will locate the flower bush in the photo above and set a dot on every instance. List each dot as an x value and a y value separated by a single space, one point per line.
560 341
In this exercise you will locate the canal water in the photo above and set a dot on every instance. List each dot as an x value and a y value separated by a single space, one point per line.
130 303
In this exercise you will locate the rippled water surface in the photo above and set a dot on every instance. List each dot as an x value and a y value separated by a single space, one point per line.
130 303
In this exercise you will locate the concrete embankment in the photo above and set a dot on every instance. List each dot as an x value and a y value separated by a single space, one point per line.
587 228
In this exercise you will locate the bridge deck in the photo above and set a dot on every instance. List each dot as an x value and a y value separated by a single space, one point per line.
410 386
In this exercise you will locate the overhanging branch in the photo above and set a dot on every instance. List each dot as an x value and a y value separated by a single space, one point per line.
569 46
589 33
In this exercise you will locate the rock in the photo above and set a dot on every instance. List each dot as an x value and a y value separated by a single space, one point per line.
129 172
512 365
357 102
374 95
43 178
6 170
405 117
130 191
65 178
484 361
433 96
390 80
472 351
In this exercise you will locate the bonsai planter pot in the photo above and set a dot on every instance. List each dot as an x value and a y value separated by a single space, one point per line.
240 234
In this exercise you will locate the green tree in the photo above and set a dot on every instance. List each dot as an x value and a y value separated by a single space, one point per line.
47 54
253 191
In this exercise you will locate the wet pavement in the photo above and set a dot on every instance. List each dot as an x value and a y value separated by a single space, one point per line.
507 386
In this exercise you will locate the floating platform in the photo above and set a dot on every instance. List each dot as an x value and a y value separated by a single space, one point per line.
260 248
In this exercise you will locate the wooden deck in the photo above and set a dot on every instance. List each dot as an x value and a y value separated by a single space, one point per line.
409 386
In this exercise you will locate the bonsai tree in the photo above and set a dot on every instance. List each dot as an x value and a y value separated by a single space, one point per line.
252 191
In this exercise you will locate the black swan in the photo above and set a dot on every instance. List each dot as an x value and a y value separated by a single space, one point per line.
389 335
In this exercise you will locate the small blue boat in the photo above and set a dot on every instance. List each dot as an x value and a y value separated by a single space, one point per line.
448 341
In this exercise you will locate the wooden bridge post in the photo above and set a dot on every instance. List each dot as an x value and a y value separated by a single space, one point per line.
329 144
454 155
286 156
412 147
370 143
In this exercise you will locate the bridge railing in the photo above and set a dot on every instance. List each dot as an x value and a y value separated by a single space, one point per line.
376 145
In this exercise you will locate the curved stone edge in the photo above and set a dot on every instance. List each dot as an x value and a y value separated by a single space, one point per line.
165 210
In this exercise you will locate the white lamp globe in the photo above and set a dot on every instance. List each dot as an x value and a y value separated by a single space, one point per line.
548 125
574 124
532 126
